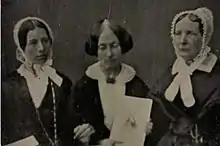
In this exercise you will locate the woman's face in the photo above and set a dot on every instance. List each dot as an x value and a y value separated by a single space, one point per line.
109 50
187 39
38 46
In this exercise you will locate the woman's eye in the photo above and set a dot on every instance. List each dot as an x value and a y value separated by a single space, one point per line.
114 45
191 33
194 34
33 42
45 40
102 47
177 33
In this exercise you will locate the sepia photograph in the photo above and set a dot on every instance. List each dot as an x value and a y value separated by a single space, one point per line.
110 73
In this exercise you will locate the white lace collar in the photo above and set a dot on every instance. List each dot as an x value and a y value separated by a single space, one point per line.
127 73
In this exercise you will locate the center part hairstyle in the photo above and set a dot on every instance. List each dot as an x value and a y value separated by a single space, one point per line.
125 39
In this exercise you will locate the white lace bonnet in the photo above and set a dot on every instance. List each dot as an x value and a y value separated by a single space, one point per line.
207 21
19 51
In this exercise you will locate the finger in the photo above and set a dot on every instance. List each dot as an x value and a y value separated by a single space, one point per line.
116 142
150 125
79 127
76 129
80 130
148 131
84 140
106 142
86 133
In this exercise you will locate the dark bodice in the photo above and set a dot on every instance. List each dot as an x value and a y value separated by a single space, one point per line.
20 117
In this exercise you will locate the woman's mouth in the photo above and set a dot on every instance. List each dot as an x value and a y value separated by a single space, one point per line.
184 49
41 57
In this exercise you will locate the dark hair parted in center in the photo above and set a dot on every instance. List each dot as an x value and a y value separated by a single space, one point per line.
125 39
193 18
27 26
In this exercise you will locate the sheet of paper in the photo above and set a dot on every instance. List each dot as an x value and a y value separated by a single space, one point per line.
28 141
129 126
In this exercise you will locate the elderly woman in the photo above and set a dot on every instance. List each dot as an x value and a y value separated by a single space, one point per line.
190 89
35 96
99 90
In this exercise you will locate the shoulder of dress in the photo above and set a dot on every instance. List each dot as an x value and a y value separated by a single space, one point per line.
66 79
85 81
13 82
139 82
12 77
216 68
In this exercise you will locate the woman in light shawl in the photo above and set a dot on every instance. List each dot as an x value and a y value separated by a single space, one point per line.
35 96
190 89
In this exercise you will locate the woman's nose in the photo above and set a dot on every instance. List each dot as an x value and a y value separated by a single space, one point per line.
109 52
183 39
40 47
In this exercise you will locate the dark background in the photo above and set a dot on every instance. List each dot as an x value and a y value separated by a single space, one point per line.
147 20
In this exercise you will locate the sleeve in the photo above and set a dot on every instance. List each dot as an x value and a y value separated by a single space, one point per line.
215 128
4 132
159 114
68 118
210 119
87 108
166 140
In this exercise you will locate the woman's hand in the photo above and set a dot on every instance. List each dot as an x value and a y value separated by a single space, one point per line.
149 127
109 142
83 133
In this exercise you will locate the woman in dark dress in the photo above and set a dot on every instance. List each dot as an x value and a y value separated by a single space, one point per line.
190 89
97 92
35 96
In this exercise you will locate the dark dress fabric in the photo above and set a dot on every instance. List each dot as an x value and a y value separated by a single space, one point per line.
205 113
88 103
21 119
